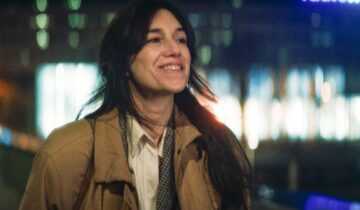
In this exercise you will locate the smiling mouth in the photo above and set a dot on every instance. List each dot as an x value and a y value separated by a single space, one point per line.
172 67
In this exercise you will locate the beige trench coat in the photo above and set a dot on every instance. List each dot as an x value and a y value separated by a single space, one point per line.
59 168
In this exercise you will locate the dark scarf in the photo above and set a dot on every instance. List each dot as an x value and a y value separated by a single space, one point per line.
166 195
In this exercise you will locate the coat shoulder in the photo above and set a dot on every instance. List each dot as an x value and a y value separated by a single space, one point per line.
69 149
58 168
72 138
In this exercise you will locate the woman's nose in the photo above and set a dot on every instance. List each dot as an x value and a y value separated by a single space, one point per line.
172 48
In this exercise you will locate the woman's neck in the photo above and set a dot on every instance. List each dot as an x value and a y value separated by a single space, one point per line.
156 111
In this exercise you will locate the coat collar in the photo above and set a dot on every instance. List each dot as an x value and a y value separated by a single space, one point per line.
109 155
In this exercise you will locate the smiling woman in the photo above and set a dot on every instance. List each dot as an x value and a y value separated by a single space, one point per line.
150 145
163 64
161 68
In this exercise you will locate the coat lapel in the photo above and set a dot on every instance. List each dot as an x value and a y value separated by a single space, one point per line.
110 161
185 134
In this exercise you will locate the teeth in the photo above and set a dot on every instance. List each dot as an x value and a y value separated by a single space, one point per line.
172 67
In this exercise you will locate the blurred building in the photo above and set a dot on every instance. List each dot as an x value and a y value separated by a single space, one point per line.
286 72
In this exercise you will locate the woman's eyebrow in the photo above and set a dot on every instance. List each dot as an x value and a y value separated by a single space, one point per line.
180 29
159 31
155 30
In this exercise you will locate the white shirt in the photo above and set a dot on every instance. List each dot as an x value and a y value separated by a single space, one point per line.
144 161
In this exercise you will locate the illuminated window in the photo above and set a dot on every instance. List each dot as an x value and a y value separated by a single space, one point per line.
298 83
354 126
341 118
283 54
297 117
237 3
228 111
56 101
315 39
42 39
327 39
41 5
255 121
222 83
315 20
258 105
205 54
198 36
336 78
319 80
226 20
277 115
334 111
42 21
77 20
260 83
327 92
74 39
194 19
299 108
322 39
216 37
74 4
227 37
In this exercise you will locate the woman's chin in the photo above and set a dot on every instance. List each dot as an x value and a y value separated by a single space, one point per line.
176 89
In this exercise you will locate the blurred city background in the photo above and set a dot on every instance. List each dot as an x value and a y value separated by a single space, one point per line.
285 72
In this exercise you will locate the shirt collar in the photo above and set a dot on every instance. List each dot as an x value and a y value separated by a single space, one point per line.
140 138
109 154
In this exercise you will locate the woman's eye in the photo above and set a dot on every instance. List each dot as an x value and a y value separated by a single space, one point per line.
154 40
182 40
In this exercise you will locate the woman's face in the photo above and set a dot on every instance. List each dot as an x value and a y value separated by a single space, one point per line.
162 66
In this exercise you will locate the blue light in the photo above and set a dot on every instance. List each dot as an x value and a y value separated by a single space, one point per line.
334 1
5 136
316 202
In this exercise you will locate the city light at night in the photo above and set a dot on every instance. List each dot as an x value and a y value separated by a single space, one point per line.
334 1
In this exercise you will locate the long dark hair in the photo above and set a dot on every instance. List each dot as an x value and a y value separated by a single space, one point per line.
229 168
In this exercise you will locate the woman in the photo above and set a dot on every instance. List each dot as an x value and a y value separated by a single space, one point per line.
150 145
